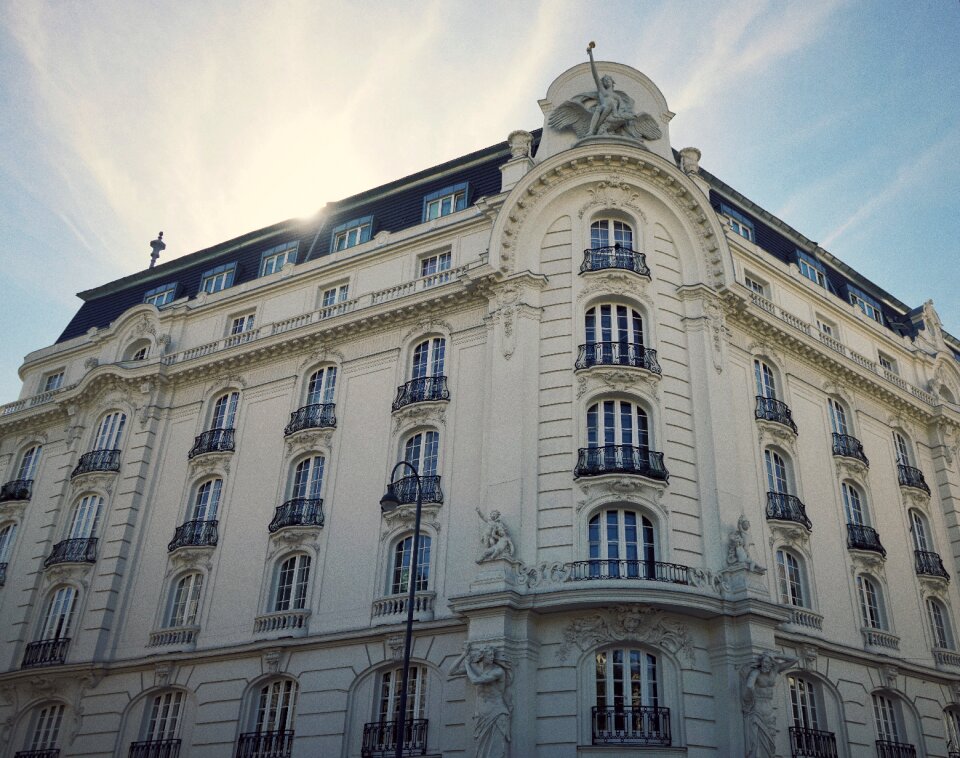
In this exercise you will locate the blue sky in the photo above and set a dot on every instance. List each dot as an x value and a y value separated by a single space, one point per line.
208 120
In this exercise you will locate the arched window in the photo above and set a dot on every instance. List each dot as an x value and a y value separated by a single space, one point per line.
902 450
290 587
421 451
778 479
872 611
8 533
225 411
854 505
184 605
321 385
888 719
161 723
951 719
29 463
399 580
792 579
58 619
137 351
764 377
308 479
805 705
270 720
940 624
838 417
622 544
628 700
428 358
110 431
45 728
85 518
614 336
919 532
207 501
388 705
608 232
618 422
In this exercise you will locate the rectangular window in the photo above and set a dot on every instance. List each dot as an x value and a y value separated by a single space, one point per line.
435 266
738 222
445 201
755 285
352 233
811 268
888 363
53 381
242 324
218 278
274 259
334 295
865 303
162 295
826 327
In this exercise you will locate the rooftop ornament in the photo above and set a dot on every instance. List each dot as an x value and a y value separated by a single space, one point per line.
158 246
607 112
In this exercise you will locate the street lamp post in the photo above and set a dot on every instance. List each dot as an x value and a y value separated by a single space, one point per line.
388 503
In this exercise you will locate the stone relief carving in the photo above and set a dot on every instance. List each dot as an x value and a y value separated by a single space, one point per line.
190 558
303 537
490 672
210 463
690 160
758 685
719 332
595 487
309 439
789 534
639 623
888 676
614 192
395 644
91 363
611 281
162 672
545 572
404 515
604 112
422 413
738 548
865 561
614 379
520 144
271 660
775 433
495 541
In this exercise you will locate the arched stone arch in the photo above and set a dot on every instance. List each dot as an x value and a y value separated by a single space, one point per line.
134 714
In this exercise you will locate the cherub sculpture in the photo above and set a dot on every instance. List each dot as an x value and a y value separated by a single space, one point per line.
494 539
606 112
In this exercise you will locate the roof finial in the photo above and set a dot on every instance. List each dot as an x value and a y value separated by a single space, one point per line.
157 245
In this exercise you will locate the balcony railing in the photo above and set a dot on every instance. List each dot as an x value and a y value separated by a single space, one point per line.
929 564
637 725
908 476
617 354
50 752
77 550
301 511
806 619
878 638
421 390
651 571
406 489
890 749
393 608
862 537
380 738
783 507
616 256
212 441
316 416
174 635
812 743
620 459
154 749
275 744
280 621
195 533
97 460
849 447
777 411
46 652
18 489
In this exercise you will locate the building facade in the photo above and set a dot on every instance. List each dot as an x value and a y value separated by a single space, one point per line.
690 483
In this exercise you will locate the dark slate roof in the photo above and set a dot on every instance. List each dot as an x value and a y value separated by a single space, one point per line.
394 206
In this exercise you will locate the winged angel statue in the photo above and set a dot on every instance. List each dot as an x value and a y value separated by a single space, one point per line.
607 111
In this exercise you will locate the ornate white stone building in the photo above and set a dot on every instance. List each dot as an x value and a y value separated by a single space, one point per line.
724 465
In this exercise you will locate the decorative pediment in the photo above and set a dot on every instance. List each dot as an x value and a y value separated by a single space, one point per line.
613 192
914 497
628 623
212 463
294 538
614 281
601 379
403 517
851 468
193 557
426 413
866 561
775 433
321 355
100 482
426 326
77 574
789 534
637 487
309 440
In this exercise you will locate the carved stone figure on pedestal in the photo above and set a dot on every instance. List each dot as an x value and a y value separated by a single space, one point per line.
605 112
490 676
494 539
759 681
738 548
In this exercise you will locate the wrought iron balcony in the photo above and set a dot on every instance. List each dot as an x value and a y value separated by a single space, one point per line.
638 725
777 411
3 574
617 354
212 441
316 416
812 743
890 749
301 511
50 752
380 738
77 550
609 568
195 533
97 460
406 489
849 447
929 563
862 537
154 749
620 459
615 256
18 489
46 652
273 744
782 507
908 476
421 390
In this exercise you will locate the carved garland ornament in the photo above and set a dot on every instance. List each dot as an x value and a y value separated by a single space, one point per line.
628 623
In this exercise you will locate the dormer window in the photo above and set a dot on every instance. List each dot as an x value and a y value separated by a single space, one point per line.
865 303
352 233
811 268
445 201
276 257
162 295
218 278
738 222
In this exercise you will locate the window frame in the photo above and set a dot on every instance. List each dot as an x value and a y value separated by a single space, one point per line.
386 706
597 427
873 610
401 553
363 226
443 263
30 462
793 587
739 223
57 620
241 323
162 720
807 707
230 400
273 703
228 272
287 250
621 231
765 380
888 363
941 628
868 305
755 285
457 193
290 588
161 293
340 291
56 377
206 500
188 597
812 269
8 536
109 433
41 735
